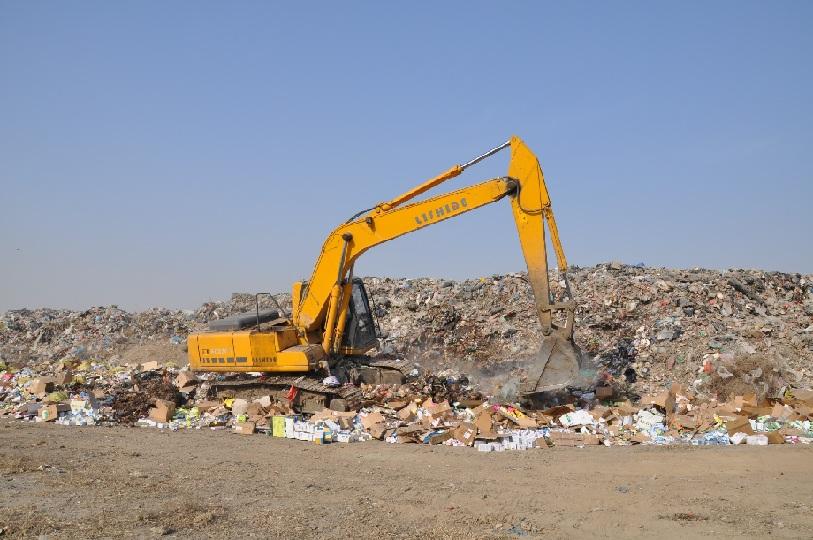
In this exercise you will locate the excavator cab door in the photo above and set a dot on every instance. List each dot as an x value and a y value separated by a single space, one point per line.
359 332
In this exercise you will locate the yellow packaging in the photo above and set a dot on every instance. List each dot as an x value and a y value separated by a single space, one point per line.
278 426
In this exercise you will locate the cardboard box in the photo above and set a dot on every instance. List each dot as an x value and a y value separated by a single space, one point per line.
685 421
186 381
150 366
604 392
163 411
254 409
781 412
369 420
805 396
408 413
186 378
440 438
413 433
665 401
63 378
208 404
378 430
48 413
465 433
525 422
41 387
397 404
78 405
774 437
485 426
739 424
437 410
560 438
246 428
541 443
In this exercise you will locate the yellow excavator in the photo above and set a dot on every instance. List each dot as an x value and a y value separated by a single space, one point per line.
323 343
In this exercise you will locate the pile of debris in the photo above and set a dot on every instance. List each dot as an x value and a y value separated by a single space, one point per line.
440 408
648 326
716 348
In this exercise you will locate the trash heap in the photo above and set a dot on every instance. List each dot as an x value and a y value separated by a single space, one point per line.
440 408
646 326
678 356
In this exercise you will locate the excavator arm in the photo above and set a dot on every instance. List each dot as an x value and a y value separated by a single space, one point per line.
320 306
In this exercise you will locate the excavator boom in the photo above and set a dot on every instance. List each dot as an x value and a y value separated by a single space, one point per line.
323 301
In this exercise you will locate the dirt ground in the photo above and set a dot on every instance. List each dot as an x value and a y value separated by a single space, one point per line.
97 482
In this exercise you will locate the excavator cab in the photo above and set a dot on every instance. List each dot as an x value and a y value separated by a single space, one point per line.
359 331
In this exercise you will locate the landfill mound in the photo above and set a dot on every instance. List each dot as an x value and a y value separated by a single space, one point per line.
649 326
693 357
646 327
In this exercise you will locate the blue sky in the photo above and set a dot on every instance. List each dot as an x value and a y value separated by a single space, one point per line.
167 153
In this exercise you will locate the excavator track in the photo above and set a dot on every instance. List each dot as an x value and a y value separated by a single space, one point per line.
374 370
310 396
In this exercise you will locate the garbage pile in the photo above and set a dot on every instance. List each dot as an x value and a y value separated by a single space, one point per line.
429 408
679 357
646 327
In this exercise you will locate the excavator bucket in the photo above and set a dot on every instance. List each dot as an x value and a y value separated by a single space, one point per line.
556 366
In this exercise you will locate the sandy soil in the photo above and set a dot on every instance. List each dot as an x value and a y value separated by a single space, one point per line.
68 482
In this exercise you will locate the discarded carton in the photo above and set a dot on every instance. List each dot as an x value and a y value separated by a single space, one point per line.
805 396
408 413
684 421
163 411
604 392
665 401
245 428
440 438
465 433
253 409
541 443
186 381
561 438
377 431
62 378
41 387
739 424
371 419
150 366
781 412
265 401
410 434
437 409
774 437
485 426
207 404
48 413
78 405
